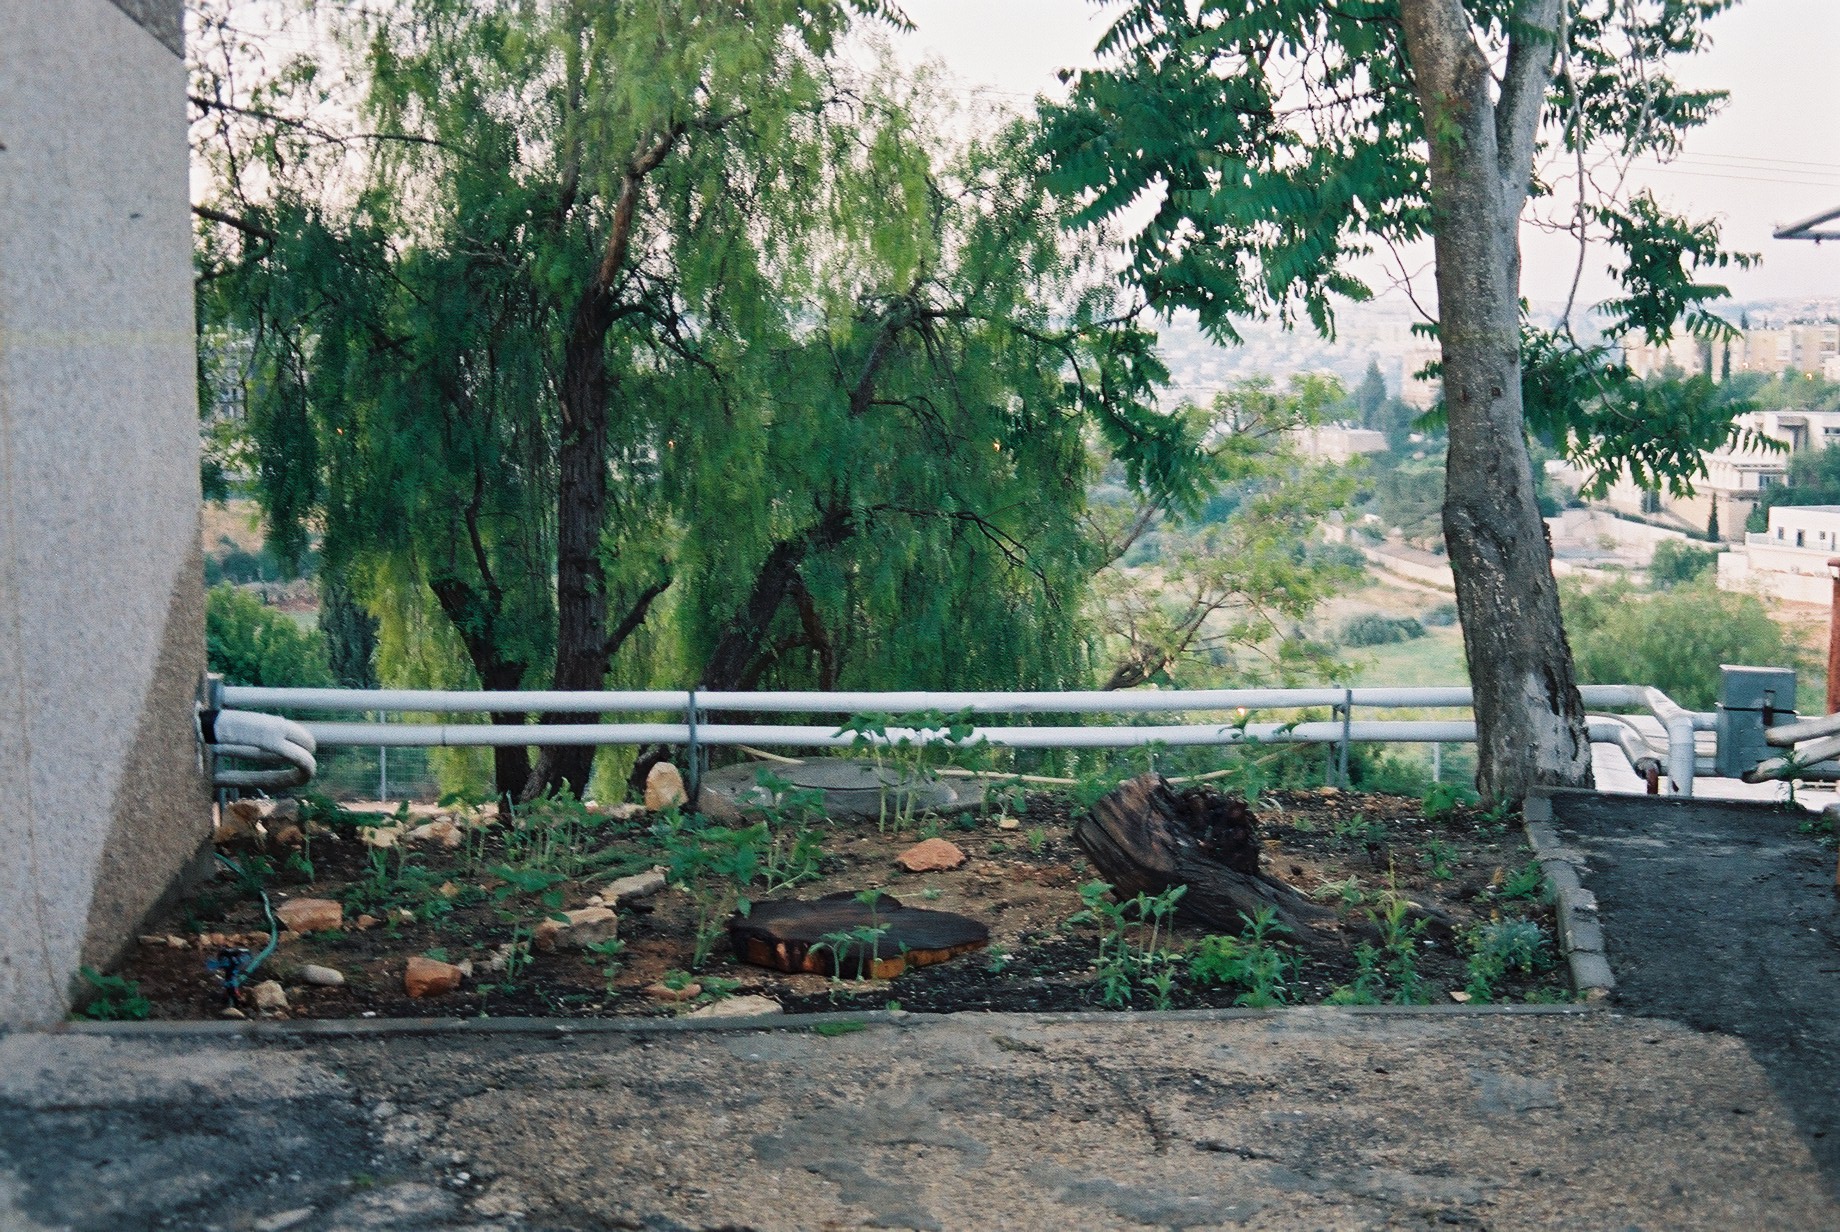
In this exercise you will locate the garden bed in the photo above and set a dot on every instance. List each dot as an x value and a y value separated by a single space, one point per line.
1434 902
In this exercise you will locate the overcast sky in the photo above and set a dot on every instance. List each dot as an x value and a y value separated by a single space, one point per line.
1772 157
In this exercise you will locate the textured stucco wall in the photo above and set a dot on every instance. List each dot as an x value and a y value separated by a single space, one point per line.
101 615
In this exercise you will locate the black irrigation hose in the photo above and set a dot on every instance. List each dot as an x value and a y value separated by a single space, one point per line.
235 966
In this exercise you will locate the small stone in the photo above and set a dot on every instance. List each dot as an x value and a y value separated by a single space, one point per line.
425 977
269 996
230 1011
739 1007
404 915
176 942
1328 791
1009 823
664 787
280 1221
380 837
584 927
444 832
367 921
318 976
466 968
1459 997
152 939
631 889
287 835
624 812
664 992
935 855
449 891
311 915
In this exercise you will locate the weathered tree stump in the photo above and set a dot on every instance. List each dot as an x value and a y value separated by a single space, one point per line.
843 936
1145 837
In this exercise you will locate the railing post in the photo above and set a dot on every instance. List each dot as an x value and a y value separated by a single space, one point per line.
693 760
1347 723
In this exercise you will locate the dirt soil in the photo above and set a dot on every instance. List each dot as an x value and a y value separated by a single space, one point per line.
1023 874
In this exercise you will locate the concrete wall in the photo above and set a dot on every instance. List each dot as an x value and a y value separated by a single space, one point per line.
101 609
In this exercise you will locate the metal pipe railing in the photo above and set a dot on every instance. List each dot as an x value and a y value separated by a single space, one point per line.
1680 763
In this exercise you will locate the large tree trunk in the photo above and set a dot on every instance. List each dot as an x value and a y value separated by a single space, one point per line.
1529 718
736 660
583 647
474 613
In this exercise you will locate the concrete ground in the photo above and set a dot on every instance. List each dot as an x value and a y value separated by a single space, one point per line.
1306 1119
1723 916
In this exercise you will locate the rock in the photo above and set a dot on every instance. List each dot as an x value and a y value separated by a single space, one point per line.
448 890
367 921
466 968
318 976
176 942
664 787
236 819
664 992
152 939
1009 823
269 997
310 915
585 926
230 1011
425 977
935 855
739 1007
280 1221
624 812
281 812
288 835
444 832
631 889
380 836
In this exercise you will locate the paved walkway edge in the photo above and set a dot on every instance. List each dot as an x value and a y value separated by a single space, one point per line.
461 1028
1581 935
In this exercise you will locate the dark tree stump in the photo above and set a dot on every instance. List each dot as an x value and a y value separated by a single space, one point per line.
808 935
1146 837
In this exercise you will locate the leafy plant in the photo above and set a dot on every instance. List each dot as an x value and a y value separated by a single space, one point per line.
1131 953
1253 962
1441 800
113 998
1439 857
1500 947
1388 972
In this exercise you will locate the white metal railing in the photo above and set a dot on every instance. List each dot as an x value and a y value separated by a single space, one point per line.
1678 766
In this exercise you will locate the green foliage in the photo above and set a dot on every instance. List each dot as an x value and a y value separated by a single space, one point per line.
1678 561
1254 962
1674 639
1132 956
1378 629
1501 947
253 644
112 998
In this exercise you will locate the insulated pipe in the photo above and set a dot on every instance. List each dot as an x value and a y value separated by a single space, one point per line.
1120 701
1787 734
285 746
462 735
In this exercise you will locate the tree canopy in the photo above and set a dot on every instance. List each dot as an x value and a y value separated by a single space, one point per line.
1275 145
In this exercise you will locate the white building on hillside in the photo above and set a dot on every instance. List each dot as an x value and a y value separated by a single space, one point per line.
1789 560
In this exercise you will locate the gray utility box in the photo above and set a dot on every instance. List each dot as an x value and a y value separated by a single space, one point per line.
1750 700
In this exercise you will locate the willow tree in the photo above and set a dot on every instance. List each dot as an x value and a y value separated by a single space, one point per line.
642 327
1277 142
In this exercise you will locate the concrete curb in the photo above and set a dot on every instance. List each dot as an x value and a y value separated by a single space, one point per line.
1581 935
464 1028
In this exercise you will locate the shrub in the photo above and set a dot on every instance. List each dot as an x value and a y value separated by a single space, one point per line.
1375 629
253 644
1442 616
1674 639
1678 561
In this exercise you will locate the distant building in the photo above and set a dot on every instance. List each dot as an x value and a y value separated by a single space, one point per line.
1338 444
1682 355
1789 559
1803 347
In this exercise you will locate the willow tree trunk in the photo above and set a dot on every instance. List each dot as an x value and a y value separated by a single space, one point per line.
1529 719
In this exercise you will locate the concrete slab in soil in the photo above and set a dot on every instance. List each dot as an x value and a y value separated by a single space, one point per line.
853 788
1306 1119
1723 915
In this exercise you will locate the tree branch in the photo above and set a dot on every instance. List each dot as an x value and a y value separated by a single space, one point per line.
254 230
1533 46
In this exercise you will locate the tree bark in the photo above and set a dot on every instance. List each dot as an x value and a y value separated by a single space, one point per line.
1145 838
1529 718
732 665
583 647
474 616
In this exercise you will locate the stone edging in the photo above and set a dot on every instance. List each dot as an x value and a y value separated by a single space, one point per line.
1581 936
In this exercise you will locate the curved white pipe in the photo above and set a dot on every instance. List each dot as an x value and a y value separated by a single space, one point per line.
285 746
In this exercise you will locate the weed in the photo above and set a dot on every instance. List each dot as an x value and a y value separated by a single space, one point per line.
1441 800
609 952
1439 857
1525 884
1388 972
716 864
864 941
1252 962
930 894
1130 935
115 999
1349 890
676 980
1358 829
1821 826
1037 839
1501 947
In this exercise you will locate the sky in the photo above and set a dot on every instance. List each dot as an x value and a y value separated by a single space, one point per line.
1772 157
